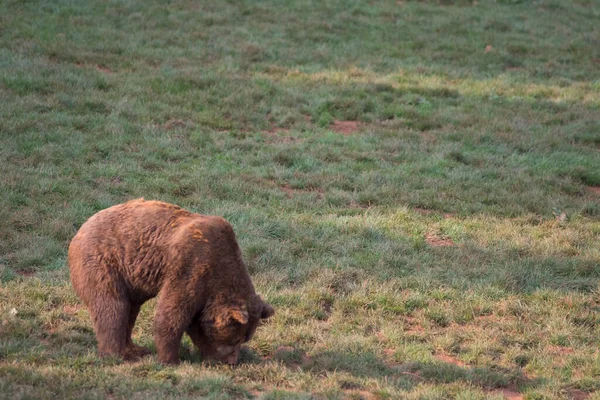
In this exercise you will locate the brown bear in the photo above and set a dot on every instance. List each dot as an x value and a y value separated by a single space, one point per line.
132 252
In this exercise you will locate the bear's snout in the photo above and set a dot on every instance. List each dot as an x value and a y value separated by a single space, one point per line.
232 359
228 354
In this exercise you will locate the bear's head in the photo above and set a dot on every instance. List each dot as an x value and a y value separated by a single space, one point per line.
222 328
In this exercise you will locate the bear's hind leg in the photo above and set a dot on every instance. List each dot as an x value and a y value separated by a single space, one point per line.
134 351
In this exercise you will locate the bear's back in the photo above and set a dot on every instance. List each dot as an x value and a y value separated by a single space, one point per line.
147 242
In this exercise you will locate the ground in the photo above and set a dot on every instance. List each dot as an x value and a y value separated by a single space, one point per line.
415 187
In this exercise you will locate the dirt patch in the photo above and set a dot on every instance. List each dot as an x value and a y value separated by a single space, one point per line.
72 310
27 274
100 68
358 394
276 130
288 190
412 326
577 394
174 124
428 137
594 190
389 352
291 192
450 360
276 134
280 135
382 338
103 69
105 181
345 127
509 393
491 318
361 206
435 239
423 211
562 217
560 350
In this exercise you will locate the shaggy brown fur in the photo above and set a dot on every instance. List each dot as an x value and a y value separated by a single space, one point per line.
129 253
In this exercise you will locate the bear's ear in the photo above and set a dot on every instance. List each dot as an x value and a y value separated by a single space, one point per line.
267 311
238 315
226 317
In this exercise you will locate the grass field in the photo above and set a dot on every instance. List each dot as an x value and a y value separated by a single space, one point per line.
415 186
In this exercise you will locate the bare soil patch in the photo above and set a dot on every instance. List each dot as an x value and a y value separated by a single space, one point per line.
345 127
104 181
71 309
577 394
510 393
437 240
423 211
103 69
362 206
450 360
491 319
560 350
27 274
100 68
594 190
174 124
359 394
280 135
412 326
291 192
275 130
389 352
428 137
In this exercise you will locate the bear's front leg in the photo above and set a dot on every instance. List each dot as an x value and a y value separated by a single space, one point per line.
170 321
194 331
110 317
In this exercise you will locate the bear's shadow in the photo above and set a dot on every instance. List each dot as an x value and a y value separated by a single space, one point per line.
192 355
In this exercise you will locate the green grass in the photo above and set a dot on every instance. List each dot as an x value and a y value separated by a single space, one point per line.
478 125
